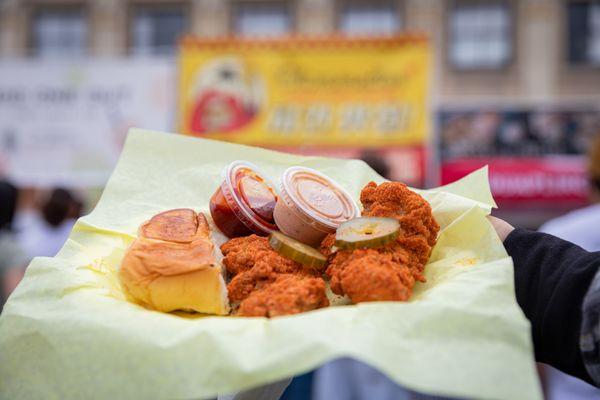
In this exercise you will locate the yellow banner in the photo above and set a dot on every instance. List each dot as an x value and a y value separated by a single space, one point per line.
338 92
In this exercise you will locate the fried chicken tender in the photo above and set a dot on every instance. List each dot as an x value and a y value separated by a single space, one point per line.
372 276
287 294
264 271
241 253
388 272
396 200
255 266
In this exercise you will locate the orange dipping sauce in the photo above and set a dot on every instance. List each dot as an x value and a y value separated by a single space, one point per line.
312 205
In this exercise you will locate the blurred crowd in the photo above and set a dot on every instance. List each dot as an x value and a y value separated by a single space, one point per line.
33 223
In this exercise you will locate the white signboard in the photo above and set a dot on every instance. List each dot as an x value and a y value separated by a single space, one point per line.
65 124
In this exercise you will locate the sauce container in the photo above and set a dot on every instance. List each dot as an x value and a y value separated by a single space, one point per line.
311 205
245 201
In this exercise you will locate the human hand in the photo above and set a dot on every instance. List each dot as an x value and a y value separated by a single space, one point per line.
501 227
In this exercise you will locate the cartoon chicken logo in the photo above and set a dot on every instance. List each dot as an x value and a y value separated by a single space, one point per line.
225 97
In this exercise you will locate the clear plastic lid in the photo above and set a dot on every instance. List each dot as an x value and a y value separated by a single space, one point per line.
317 199
250 195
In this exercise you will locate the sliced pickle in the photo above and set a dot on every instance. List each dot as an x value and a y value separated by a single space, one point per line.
366 232
296 251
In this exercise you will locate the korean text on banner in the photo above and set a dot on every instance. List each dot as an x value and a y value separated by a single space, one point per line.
336 92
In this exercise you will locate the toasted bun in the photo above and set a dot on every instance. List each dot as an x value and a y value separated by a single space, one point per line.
172 265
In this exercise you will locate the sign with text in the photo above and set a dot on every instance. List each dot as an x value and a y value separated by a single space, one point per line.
309 92
65 123
536 157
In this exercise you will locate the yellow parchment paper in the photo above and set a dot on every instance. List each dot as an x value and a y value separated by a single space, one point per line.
68 333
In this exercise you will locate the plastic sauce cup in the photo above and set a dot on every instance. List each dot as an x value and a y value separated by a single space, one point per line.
311 205
245 201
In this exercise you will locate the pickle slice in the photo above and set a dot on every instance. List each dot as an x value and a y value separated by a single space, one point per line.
296 251
366 232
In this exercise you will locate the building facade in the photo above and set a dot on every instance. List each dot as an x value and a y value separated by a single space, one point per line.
497 51
511 79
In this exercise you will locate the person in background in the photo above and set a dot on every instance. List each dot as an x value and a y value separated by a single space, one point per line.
42 233
579 227
12 257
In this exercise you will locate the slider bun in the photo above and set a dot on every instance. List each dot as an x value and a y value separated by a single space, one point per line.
172 265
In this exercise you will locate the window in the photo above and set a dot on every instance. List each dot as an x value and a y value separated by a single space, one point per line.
262 18
584 32
155 29
370 17
59 31
480 35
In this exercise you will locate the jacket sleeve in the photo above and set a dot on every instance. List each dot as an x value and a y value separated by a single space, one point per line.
590 330
552 277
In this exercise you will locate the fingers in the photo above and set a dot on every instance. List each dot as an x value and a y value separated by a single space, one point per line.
501 227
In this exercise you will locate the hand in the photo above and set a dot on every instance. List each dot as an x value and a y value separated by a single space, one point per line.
12 277
502 227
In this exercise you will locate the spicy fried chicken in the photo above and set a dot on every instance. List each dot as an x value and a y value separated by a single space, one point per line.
260 273
287 294
396 200
388 272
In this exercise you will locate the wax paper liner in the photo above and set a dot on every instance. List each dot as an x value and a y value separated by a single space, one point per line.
67 332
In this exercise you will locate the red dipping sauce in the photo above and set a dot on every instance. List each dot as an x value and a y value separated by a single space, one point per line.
245 201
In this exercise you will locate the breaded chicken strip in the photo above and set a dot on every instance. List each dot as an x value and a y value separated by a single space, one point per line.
372 276
396 200
253 263
255 266
241 253
264 271
388 272
287 294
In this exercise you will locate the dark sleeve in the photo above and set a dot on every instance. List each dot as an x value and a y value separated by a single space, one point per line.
590 330
552 277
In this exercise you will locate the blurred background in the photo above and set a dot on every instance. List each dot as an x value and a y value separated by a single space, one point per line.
510 84
513 84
